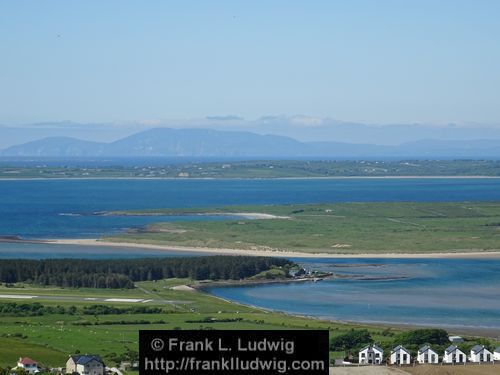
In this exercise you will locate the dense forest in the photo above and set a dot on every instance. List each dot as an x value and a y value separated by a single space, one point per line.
122 273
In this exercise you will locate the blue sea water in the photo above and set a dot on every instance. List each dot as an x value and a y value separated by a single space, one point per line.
53 251
63 208
428 292
455 292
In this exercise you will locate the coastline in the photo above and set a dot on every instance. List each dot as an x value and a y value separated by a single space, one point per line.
3 178
276 253
478 331
243 215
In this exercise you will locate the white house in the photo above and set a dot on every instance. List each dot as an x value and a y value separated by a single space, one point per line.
496 355
371 355
454 355
480 353
85 365
400 356
427 355
28 364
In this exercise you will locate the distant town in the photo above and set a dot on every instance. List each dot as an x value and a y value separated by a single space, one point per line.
148 167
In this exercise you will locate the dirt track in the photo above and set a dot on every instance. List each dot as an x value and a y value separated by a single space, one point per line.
419 370
469 369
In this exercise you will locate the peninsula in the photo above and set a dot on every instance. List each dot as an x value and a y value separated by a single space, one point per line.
397 229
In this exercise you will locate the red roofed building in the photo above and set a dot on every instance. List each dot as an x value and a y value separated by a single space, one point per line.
28 364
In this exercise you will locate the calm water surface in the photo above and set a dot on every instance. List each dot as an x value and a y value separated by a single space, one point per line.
441 292
63 208
455 292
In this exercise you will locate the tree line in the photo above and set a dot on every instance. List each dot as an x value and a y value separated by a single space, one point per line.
38 309
122 273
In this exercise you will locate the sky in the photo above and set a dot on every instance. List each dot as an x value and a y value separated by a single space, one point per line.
376 62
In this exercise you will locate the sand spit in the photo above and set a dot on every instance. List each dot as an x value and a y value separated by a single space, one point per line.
274 253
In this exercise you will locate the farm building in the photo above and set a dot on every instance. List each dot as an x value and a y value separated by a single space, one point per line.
28 364
85 365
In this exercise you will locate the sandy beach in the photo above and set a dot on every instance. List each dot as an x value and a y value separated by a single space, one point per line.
273 253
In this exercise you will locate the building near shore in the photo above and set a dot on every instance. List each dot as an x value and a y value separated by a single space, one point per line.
453 354
426 355
371 355
479 353
455 339
400 356
29 365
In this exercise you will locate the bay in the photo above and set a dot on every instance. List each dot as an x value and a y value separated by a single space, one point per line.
455 293
441 292
63 208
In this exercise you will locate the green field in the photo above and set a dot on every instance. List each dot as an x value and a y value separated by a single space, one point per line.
259 169
344 228
51 338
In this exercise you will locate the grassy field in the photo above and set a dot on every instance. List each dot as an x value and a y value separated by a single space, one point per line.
51 338
353 228
256 169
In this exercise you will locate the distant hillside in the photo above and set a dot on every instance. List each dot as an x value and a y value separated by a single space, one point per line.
56 147
166 142
205 142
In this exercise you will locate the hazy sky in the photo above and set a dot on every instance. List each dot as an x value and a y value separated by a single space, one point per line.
370 61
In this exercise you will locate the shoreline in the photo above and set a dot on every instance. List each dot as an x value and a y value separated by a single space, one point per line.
3 178
478 331
243 215
285 254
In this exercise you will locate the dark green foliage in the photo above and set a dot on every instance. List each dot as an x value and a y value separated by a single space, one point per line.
353 339
32 309
122 273
107 310
37 309
469 343
118 322
422 336
129 355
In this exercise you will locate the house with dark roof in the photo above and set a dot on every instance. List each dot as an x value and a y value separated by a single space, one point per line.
85 365
400 356
496 354
479 353
453 354
426 355
28 364
371 355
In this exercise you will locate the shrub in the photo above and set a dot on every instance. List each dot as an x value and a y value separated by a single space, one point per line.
351 340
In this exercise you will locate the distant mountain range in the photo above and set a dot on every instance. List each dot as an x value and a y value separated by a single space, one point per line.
167 142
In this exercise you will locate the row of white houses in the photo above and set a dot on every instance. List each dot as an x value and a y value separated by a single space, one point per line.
374 355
